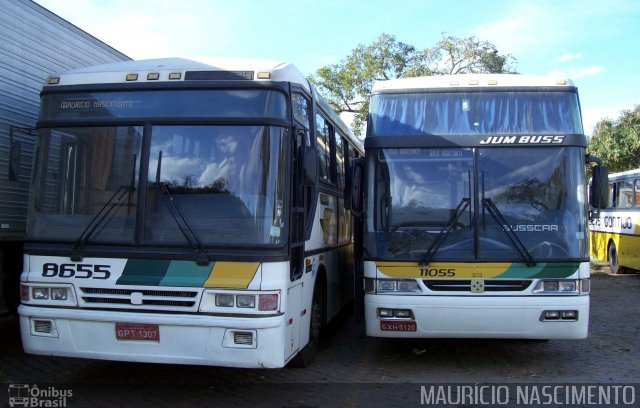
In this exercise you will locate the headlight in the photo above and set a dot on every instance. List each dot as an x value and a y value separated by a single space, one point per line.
398 286
44 294
567 286
59 294
40 293
557 286
247 301
386 285
224 300
244 302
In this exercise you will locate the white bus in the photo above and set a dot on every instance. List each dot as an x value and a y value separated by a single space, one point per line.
476 209
615 233
186 212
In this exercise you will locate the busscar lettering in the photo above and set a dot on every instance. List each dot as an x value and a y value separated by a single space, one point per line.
531 227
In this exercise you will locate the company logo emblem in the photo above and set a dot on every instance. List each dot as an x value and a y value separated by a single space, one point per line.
136 298
477 285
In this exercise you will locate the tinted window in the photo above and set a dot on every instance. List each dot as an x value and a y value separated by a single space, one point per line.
324 148
475 113
340 159
161 104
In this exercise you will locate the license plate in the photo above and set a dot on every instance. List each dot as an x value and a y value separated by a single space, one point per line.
129 331
399 326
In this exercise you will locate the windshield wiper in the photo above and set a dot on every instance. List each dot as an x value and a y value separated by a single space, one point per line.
444 232
506 227
116 200
178 216
417 223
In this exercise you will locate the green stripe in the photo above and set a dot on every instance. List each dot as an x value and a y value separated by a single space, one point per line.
186 273
558 270
541 270
146 272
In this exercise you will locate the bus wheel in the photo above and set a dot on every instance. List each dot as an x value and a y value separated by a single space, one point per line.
616 268
306 355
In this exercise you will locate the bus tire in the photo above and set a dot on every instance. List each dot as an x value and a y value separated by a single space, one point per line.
305 356
612 255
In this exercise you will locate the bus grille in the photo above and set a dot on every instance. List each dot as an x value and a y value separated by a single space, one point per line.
490 285
145 299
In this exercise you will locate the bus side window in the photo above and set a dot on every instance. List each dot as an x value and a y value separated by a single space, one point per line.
323 145
301 109
340 159
612 195
636 191
625 194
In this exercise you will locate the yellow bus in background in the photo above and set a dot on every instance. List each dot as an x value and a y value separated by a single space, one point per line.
615 233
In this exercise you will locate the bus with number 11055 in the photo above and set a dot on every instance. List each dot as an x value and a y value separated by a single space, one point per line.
476 209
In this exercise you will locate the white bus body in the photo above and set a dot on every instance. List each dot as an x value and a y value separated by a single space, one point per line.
476 209
174 218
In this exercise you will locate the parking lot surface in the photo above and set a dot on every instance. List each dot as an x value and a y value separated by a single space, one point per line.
350 369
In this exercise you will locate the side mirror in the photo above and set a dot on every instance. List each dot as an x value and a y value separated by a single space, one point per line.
357 170
15 156
599 188
348 186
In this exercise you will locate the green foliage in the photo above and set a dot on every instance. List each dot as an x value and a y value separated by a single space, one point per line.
617 142
347 85
453 55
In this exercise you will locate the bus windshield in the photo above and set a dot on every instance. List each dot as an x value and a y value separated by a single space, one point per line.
227 182
462 113
474 198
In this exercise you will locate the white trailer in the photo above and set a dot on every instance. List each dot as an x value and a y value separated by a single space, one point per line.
35 43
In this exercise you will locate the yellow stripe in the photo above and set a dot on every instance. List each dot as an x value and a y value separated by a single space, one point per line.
443 270
234 275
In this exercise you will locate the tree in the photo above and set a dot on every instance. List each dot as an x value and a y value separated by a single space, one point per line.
347 85
617 142
453 55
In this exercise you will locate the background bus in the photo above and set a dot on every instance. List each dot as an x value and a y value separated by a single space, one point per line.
615 233
476 221
186 212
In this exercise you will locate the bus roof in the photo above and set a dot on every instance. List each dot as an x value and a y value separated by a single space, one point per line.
207 69
624 175
470 81
181 69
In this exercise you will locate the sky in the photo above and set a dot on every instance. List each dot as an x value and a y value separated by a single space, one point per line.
596 43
